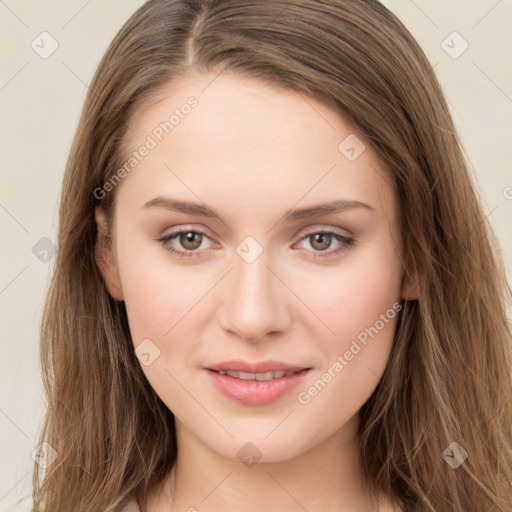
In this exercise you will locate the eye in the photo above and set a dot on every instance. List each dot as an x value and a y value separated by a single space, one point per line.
189 239
320 241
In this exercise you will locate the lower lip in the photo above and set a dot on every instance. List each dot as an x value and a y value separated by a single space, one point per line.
253 392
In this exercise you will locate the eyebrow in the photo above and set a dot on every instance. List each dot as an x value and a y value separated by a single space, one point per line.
202 210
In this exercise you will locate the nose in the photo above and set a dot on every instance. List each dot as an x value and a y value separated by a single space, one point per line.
254 300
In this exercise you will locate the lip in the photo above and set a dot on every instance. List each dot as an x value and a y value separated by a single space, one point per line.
238 365
253 392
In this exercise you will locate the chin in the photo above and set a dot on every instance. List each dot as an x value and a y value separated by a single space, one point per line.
253 446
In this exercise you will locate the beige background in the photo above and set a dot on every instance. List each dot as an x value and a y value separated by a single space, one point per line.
41 99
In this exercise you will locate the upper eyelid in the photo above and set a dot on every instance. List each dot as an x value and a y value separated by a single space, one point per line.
308 232
324 227
185 229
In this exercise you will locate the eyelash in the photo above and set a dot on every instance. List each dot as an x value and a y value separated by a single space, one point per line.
348 243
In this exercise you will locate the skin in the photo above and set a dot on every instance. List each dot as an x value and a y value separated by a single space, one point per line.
252 151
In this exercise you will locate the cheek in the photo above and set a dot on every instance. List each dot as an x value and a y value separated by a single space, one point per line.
354 294
159 299
360 303
158 294
363 315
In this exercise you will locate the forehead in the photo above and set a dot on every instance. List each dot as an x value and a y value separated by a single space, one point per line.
230 105
228 136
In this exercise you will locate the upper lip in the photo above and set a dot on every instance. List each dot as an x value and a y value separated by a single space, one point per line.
237 365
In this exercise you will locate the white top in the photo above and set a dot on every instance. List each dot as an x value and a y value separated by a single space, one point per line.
131 506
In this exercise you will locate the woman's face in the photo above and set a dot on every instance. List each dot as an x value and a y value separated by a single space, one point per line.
255 284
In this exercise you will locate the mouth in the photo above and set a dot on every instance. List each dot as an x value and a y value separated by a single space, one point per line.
260 377
255 383
241 366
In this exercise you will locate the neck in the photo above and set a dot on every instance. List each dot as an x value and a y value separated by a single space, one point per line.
326 477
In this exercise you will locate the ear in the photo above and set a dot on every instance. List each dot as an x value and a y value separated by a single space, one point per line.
104 257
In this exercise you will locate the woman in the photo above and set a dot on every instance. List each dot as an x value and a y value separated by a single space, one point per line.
275 286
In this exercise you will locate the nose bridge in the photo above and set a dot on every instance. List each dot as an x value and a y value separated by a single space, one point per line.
254 302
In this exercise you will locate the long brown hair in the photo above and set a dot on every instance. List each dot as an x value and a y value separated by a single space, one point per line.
448 379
